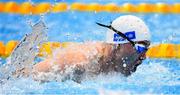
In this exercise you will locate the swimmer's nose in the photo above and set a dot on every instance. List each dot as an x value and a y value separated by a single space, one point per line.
142 56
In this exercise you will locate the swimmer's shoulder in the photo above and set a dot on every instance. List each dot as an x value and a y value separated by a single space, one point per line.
101 46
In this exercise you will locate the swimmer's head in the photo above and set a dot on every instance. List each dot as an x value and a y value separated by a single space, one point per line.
131 36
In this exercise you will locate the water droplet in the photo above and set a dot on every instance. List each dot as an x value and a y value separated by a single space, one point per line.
124 65
29 22
170 38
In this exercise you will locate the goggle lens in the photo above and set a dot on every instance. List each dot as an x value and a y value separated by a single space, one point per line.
140 48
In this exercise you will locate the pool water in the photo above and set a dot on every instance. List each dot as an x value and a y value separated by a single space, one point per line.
154 76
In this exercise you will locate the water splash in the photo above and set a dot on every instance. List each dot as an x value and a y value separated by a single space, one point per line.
24 53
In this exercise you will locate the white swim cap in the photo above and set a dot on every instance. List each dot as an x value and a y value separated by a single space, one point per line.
133 27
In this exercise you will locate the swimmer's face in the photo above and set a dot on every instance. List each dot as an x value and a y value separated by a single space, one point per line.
127 58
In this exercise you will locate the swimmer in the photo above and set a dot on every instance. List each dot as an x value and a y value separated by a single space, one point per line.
127 42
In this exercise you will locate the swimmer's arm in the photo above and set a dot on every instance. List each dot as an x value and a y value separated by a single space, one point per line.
43 66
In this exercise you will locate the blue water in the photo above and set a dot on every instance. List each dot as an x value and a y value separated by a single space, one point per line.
154 76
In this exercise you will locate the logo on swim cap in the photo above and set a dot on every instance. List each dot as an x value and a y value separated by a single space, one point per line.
131 35
133 27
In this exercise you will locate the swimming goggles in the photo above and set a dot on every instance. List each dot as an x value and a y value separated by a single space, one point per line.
140 48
